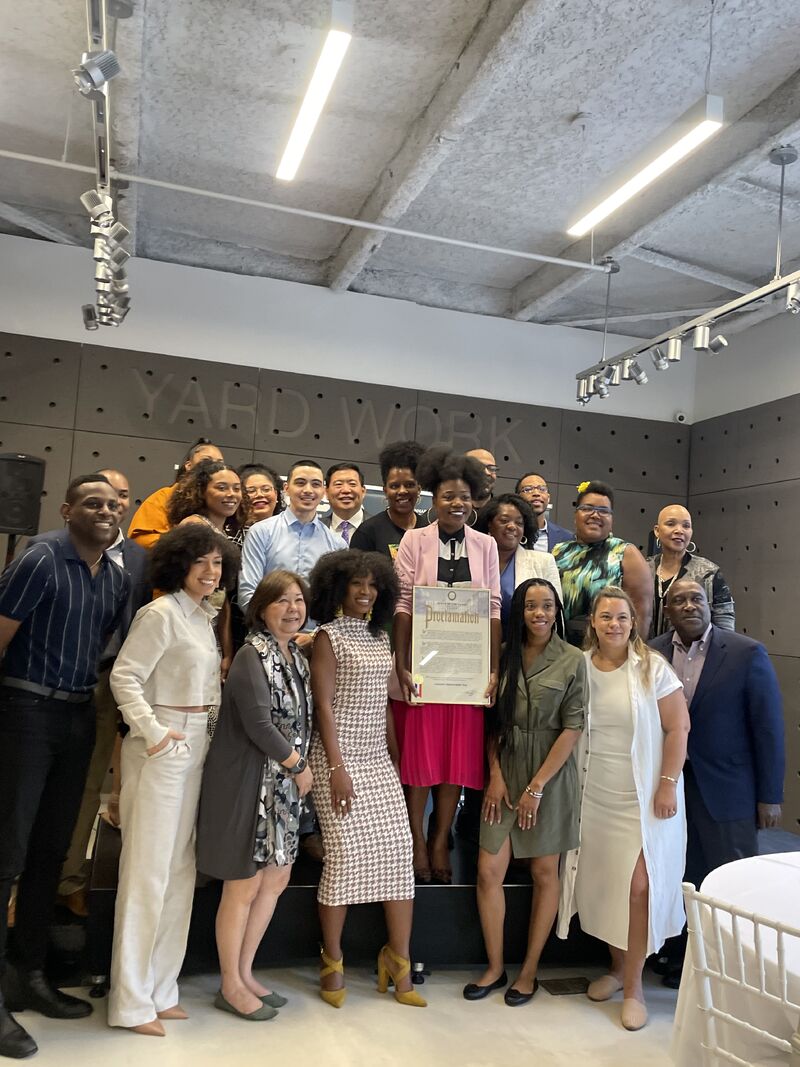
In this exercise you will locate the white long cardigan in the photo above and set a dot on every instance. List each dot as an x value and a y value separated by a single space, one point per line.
531 564
663 840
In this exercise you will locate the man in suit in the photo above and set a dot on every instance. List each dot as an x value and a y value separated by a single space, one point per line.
345 490
733 775
532 487
134 560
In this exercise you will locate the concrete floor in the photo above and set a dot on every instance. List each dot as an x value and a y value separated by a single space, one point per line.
553 1031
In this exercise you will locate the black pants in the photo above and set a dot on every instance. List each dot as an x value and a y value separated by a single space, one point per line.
709 844
45 748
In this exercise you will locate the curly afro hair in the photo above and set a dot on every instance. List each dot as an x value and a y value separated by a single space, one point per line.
442 464
597 489
175 552
189 497
485 516
401 454
334 571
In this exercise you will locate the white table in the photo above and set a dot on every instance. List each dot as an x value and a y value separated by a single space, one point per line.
769 886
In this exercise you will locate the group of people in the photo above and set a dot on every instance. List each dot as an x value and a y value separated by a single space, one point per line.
258 659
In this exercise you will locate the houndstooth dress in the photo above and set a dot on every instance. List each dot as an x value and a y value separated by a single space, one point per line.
368 854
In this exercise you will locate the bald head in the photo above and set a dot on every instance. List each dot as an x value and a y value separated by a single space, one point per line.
674 530
687 608
123 490
487 459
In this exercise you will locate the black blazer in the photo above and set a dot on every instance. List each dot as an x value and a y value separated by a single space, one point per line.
736 743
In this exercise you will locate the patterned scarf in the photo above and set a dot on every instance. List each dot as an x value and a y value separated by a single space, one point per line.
279 804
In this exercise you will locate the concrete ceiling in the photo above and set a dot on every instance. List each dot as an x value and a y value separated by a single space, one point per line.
455 117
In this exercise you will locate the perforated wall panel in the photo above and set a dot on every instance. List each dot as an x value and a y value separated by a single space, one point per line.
745 501
38 380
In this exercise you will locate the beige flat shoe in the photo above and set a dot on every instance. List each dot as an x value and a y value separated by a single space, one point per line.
175 1012
151 1029
604 988
634 1014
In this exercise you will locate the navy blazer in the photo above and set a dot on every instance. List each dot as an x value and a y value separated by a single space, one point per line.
136 562
556 534
736 743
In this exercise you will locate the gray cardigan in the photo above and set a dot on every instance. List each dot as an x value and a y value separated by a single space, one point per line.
704 572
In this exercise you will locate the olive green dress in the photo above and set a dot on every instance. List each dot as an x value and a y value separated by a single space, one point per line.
551 697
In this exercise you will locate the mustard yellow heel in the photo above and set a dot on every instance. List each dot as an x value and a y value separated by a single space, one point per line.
385 976
334 997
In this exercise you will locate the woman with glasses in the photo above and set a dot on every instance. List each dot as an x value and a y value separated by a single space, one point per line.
596 559
534 491
262 491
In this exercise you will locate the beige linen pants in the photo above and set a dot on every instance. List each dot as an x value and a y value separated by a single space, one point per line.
75 872
158 811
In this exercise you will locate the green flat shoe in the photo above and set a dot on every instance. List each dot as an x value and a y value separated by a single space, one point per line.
274 1000
260 1015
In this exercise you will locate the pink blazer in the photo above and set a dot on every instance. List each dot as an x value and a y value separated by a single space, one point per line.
417 563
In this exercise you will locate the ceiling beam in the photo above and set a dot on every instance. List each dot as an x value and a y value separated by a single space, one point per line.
639 316
765 198
742 147
492 49
691 270
36 224
126 37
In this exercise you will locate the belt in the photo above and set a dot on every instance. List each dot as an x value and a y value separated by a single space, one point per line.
43 691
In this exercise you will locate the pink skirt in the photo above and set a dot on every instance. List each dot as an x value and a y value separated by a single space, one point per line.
439 743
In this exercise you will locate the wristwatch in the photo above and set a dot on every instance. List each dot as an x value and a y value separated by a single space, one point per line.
298 767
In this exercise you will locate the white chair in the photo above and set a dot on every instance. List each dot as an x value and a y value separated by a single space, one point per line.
740 963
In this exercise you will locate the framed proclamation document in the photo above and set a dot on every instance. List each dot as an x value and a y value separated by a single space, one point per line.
450 645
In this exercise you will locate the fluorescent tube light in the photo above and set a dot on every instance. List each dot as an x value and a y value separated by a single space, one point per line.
699 123
333 52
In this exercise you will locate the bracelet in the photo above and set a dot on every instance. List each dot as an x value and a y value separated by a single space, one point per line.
338 767
530 792
666 778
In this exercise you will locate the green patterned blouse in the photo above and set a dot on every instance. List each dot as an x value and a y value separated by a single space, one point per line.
585 570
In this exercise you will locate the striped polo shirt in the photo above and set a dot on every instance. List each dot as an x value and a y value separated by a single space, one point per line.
66 615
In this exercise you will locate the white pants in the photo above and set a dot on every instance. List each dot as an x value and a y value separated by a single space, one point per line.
158 811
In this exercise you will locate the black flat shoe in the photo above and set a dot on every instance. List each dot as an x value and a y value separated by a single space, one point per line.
15 1042
473 991
515 999
672 979
30 989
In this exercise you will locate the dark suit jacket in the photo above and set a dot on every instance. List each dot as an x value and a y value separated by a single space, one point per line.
136 561
556 534
736 743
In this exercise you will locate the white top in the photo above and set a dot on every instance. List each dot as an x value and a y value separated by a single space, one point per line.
612 722
529 564
170 657
663 840
354 520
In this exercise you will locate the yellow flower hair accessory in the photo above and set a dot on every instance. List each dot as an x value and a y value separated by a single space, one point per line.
583 487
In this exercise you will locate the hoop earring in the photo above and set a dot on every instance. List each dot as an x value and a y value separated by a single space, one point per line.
523 541
474 517
691 547
658 544
428 515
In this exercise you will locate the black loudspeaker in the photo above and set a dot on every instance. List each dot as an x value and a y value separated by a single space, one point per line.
21 482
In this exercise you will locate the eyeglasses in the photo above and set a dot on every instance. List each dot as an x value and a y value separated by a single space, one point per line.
592 509
529 490
491 468
260 490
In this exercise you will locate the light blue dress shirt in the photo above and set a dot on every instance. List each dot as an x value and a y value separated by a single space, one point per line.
283 543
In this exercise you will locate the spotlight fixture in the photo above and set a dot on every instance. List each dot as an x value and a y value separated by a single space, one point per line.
793 298
89 317
98 205
600 386
591 385
582 391
613 374
659 359
637 373
700 338
95 71
717 344
674 350
626 365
